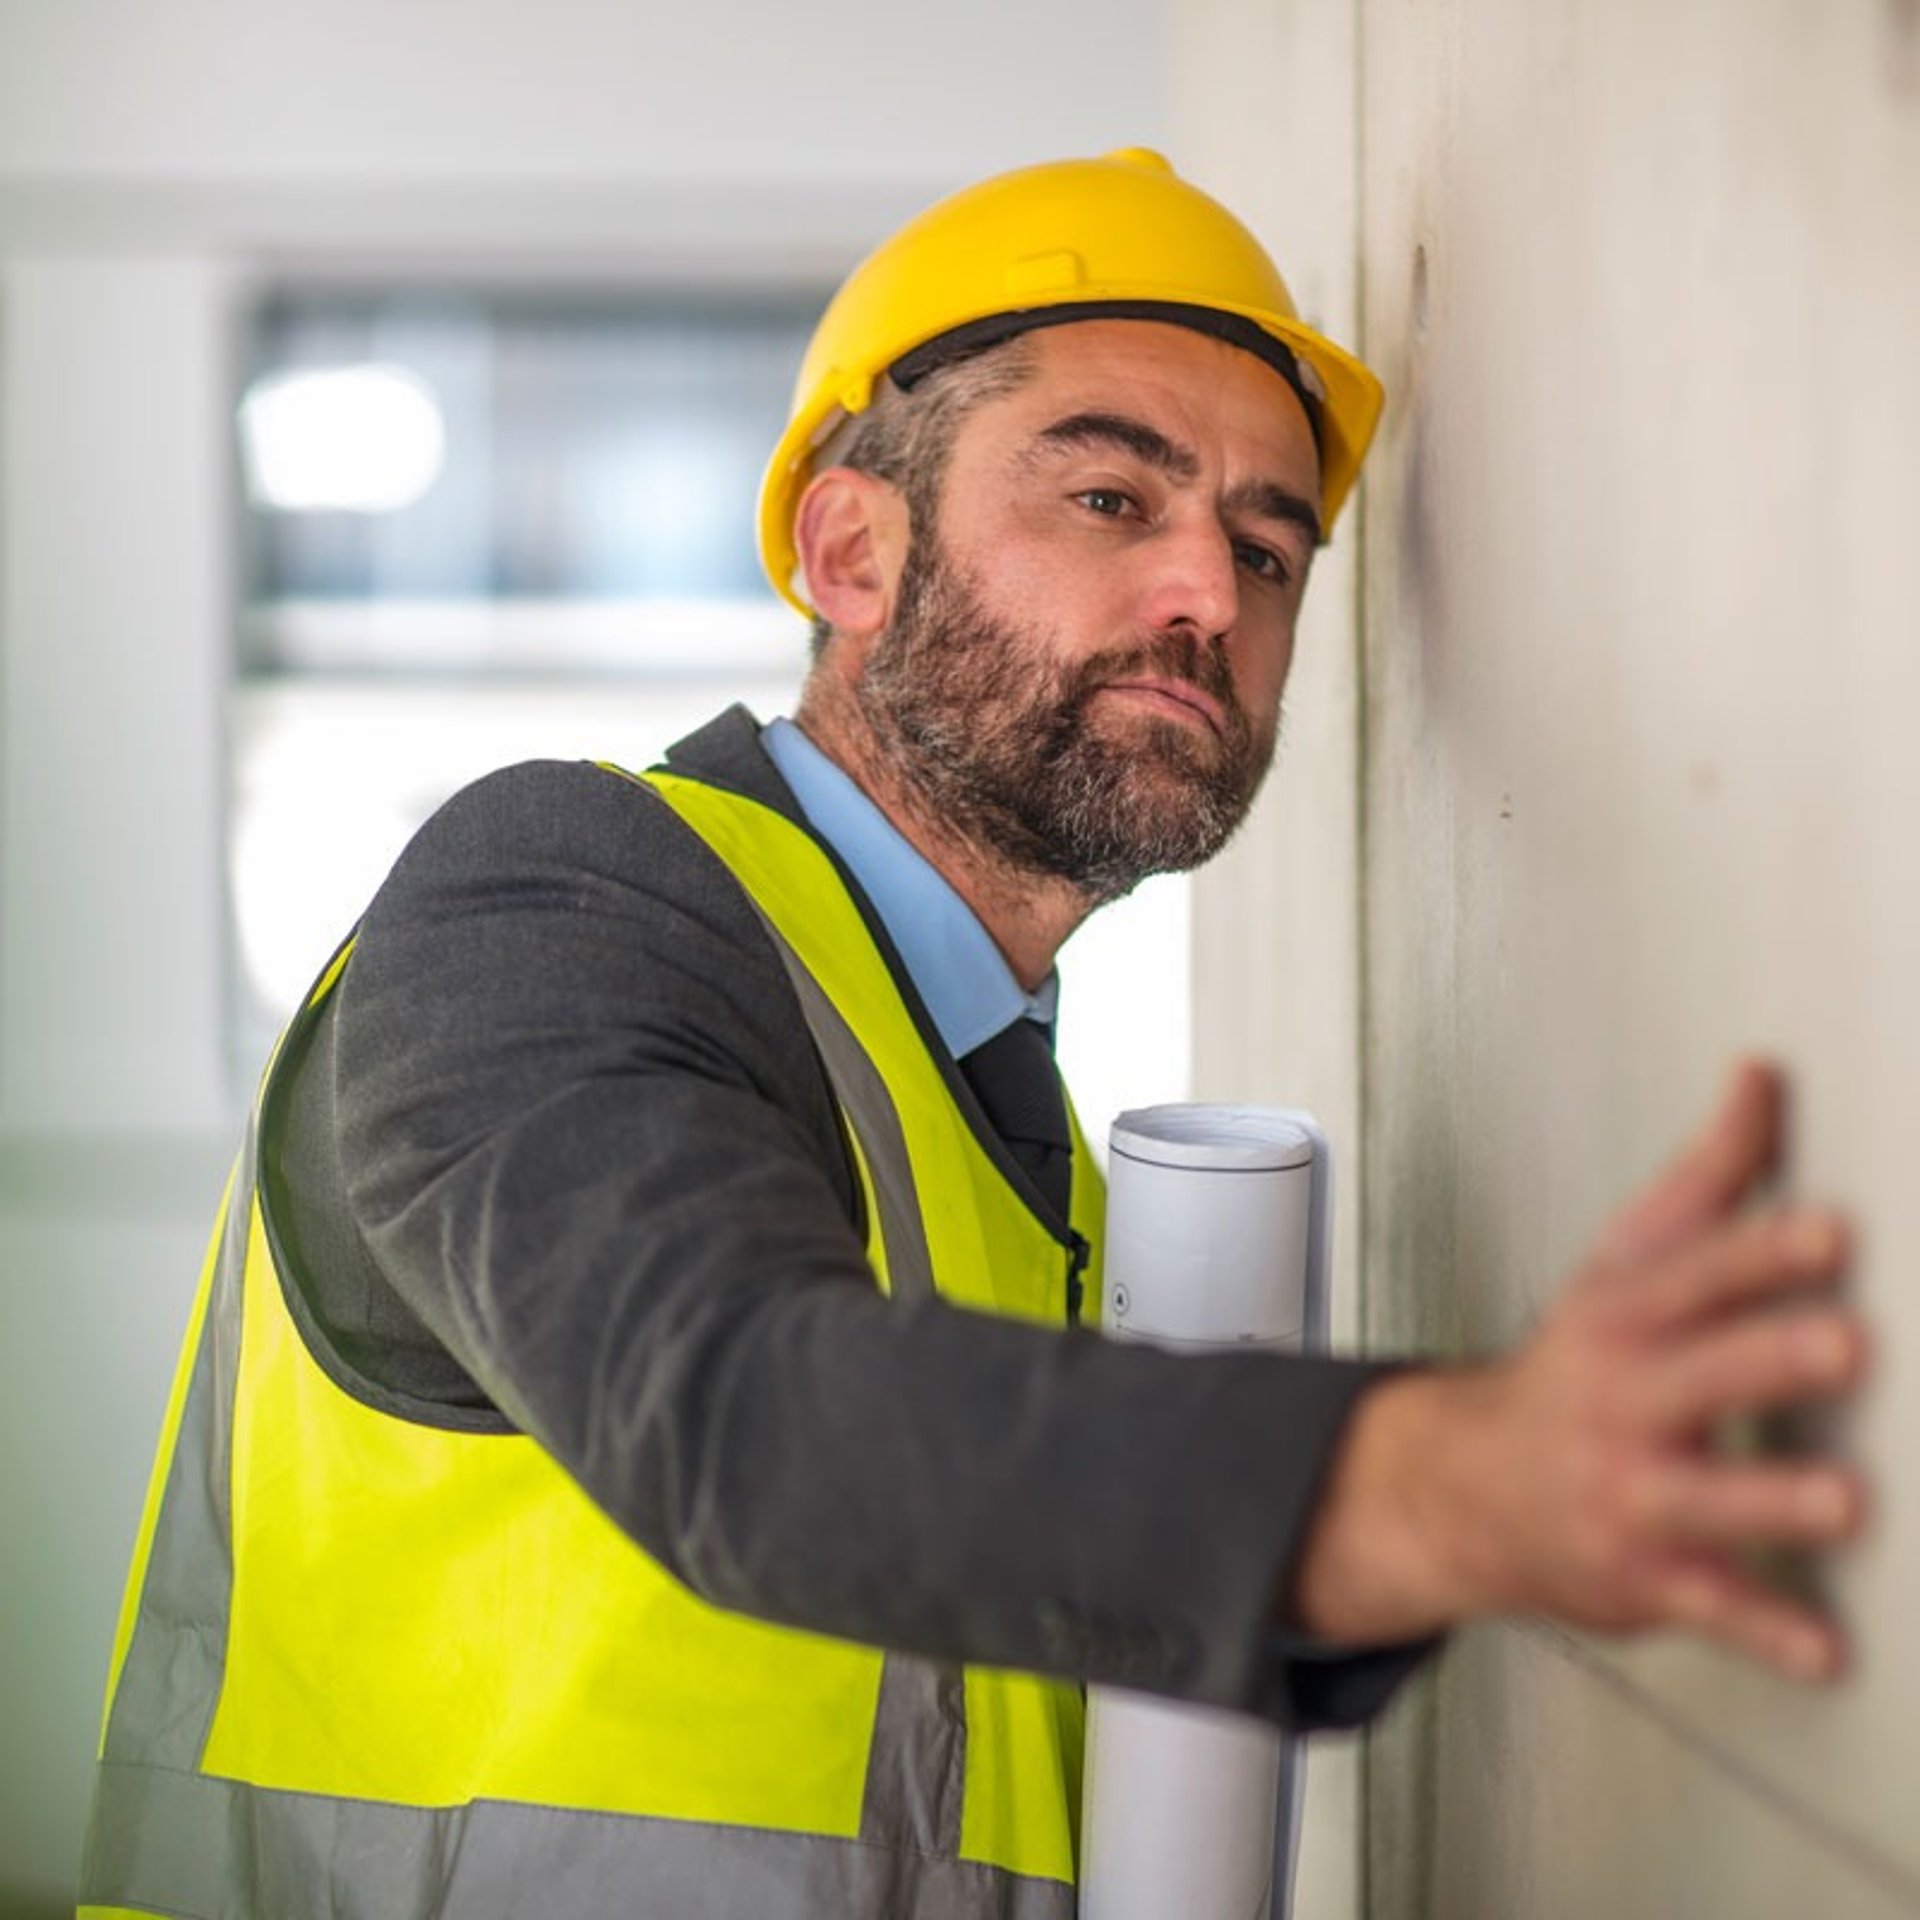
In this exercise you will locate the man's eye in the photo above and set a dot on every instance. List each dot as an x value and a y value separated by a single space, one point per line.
1262 561
1108 501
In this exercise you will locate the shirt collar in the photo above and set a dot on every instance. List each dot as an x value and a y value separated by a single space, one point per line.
963 977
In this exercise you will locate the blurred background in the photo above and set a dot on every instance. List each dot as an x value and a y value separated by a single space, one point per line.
382 394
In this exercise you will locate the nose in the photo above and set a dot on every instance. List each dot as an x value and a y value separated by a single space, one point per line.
1193 582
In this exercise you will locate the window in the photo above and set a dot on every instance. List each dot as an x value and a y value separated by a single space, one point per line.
476 529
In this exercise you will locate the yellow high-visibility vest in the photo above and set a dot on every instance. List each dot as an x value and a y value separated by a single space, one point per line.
370 1666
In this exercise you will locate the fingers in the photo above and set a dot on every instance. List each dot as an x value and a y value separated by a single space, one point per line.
1714 1599
1738 1265
1724 1506
1730 1156
1760 1361
1718 1503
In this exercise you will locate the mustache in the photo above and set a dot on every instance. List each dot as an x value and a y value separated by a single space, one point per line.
1170 656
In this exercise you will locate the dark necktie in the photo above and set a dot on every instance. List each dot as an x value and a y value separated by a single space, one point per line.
1014 1079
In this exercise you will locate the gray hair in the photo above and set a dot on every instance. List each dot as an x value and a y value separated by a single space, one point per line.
906 438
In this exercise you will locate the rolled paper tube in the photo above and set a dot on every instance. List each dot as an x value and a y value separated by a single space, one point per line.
1215 1238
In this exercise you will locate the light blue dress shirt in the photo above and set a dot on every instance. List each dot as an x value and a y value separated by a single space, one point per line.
962 976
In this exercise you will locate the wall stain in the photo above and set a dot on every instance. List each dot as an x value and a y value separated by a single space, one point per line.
1901 39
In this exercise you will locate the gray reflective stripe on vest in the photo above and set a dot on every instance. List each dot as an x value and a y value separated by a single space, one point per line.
170 1681
218 1847
916 1767
862 1092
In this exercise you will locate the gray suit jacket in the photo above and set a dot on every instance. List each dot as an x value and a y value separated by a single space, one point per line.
558 1156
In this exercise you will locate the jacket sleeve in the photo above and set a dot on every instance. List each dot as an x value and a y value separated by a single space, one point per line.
583 1134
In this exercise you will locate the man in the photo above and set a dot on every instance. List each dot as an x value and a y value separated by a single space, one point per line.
632 1453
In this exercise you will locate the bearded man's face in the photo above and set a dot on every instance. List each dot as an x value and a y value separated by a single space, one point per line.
1093 622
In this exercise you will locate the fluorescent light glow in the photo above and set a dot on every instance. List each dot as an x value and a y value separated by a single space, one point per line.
358 439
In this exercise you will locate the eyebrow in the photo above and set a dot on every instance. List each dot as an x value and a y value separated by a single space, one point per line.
1271 501
1265 498
1118 430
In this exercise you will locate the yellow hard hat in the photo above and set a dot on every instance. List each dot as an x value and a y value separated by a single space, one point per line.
1121 236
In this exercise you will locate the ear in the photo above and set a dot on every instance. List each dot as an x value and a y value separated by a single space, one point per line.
851 533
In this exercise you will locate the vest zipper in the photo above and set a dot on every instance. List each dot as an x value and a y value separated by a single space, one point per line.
1078 1254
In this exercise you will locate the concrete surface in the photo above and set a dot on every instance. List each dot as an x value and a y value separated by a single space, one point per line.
1640 589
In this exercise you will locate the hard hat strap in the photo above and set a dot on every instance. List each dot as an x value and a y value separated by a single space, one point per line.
976 336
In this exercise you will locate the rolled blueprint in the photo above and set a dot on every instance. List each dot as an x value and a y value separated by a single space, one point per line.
1216 1237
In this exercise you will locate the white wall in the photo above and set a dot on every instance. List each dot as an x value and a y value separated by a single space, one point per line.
1639 594
584 92
155 164
112 621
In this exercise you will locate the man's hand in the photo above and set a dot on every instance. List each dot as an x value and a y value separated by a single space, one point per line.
1577 1478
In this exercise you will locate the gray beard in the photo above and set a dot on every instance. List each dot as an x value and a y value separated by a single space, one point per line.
996 742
